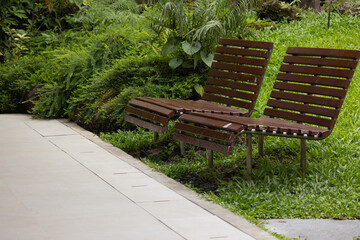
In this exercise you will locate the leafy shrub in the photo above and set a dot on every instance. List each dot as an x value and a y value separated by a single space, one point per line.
192 29
70 68
100 104
277 10
17 78
96 14
18 17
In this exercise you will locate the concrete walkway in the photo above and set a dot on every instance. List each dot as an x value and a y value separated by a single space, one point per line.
58 181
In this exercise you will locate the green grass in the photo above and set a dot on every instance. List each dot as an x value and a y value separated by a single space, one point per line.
331 187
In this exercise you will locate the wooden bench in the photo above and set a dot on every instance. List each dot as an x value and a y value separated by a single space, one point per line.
232 87
305 102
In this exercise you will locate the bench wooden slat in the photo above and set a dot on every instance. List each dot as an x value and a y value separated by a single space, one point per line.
321 61
211 122
340 53
317 71
246 43
261 122
329 102
147 115
230 93
205 132
227 101
152 107
205 106
162 102
232 84
241 60
243 52
340 93
235 76
203 143
238 68
328 112
145 124
317 80
299 117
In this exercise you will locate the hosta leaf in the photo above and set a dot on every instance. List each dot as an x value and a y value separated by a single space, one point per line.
175 62
207 57
191 48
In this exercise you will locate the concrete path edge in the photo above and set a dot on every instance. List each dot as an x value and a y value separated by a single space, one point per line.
226 215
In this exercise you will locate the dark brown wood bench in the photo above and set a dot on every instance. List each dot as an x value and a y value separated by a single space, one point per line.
305 102
232 87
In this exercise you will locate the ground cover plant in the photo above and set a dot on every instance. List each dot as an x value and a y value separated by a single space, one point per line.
331 187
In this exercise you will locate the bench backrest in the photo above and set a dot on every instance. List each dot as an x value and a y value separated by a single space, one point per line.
237 72
312 85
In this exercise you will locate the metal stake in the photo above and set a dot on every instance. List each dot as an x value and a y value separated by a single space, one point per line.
261 145
182 148
210 158
248 156
303 154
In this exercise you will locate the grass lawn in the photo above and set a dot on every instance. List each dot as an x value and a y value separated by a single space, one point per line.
331 188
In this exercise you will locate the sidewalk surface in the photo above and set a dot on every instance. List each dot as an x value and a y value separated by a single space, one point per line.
58 181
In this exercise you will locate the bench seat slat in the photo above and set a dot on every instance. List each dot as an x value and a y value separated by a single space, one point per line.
230 92
147 115
232 84
324 52
321 61
328 112
340 93
210 121
241 60
152 107
238 68
325 122
242 52
246 43
331 82
203 143
227 101
205 132
235 76
329 102
200 105
261 122
333 72
145 124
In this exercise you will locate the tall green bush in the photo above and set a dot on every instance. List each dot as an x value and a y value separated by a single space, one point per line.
99 105
192 29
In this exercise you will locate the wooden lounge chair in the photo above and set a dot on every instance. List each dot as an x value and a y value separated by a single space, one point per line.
232 87
304 103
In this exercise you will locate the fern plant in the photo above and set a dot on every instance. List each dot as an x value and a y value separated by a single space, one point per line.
192 29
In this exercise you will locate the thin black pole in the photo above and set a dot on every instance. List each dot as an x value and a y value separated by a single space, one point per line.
329 13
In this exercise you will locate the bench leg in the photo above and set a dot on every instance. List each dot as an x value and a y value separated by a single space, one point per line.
182 148
303 155
210 158
261 145
156 136
248 156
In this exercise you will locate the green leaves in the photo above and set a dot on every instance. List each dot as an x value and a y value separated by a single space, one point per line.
207 58
175 62
199 89
170 46
200 24
191 48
